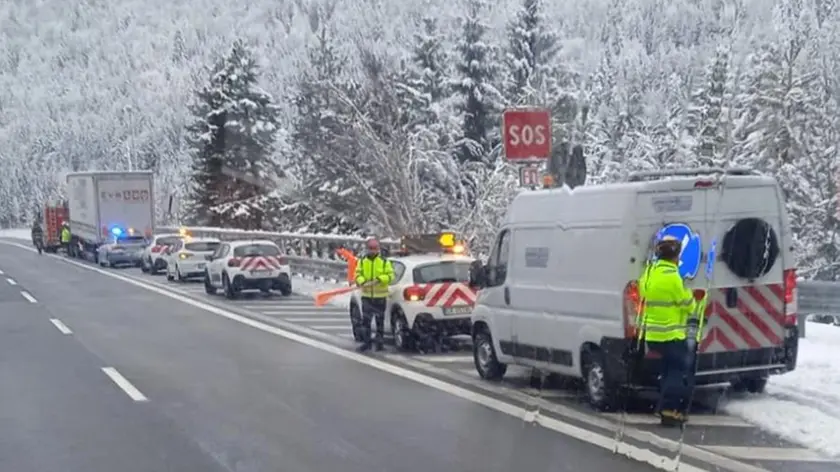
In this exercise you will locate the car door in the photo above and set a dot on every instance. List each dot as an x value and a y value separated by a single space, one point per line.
214 268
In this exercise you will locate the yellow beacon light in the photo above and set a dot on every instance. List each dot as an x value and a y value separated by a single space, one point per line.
447 240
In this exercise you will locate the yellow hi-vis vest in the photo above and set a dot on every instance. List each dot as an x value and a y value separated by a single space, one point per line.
378 269
65 235
667 303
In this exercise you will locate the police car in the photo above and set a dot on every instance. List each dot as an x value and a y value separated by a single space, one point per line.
188 257
430 296
153 259
248 265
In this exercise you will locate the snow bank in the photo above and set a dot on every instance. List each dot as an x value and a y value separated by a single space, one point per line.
801 406
24 234
310 287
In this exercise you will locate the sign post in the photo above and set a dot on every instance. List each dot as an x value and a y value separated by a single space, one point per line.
526 136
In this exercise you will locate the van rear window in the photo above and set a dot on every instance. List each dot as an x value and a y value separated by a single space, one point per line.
441 272
202 247
256 250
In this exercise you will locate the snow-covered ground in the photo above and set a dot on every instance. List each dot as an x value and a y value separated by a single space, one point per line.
802 406
24 234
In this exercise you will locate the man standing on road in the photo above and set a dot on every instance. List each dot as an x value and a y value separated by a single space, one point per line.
667 307
38 236
65 237
373 275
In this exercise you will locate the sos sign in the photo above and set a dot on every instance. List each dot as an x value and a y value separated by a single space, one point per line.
526 134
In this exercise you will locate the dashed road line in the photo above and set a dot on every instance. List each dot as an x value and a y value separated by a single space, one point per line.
28 296
1 272
125 385
60 326
11 281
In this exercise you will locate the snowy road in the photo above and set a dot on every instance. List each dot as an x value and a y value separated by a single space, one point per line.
724 440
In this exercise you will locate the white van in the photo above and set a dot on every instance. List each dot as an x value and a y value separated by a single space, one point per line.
559 290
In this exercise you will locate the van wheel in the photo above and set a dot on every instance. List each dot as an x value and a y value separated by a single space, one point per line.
484 356
600 391
750 384
403 337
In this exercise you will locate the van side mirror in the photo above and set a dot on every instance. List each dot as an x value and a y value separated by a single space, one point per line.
478 275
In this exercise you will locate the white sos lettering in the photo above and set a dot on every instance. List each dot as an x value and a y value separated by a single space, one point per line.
526 135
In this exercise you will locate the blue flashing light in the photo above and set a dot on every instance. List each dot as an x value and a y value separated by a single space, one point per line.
116 231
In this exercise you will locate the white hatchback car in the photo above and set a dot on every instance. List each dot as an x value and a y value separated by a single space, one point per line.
248 265
188 258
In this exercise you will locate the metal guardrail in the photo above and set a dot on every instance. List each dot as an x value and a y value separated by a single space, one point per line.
315 255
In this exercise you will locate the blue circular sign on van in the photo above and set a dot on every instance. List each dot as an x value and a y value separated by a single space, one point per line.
692 250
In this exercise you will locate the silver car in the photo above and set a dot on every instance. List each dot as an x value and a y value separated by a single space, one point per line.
123 251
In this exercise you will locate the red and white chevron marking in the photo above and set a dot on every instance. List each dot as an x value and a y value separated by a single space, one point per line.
260 263
756 322
448 294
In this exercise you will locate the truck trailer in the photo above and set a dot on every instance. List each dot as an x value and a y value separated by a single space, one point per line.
104 206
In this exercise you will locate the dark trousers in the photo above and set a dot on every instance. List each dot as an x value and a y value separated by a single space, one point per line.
373 309
674 392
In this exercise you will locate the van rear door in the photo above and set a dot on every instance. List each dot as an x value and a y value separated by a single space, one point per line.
746 300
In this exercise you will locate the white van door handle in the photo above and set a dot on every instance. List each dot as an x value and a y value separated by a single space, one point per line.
507 296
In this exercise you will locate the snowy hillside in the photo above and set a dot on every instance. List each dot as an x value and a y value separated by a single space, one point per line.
387 112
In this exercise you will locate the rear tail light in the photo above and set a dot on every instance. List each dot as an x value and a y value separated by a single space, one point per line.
704 183
282 260
413 294
632 304
233 262
156 249
790 298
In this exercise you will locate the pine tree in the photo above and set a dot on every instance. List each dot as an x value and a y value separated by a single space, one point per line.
532 49
479 106
705 120
232 138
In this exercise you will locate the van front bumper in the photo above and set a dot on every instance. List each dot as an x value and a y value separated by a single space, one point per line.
428 324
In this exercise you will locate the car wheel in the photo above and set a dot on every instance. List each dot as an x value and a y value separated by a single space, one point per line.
153 267
403 337
143 267
484 357
178 274
227 286
356 322
208 287
169 276
600 391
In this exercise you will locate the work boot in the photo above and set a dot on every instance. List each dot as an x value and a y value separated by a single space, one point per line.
669 418
363 348
379 347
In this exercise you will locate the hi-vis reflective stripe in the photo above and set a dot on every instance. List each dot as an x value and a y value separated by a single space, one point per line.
664 329
654 303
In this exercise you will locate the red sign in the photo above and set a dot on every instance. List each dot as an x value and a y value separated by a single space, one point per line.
526 134
529 176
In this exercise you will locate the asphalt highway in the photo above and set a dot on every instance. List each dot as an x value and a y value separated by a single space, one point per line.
102 375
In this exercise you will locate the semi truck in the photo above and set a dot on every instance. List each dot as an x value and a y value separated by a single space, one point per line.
108 206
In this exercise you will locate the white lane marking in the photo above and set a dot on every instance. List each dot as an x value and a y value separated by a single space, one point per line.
636 453
325 319
303 311
11 281
770 453
124 384
448 359
296 304
1 272
331 327
695 420
61 326
28 296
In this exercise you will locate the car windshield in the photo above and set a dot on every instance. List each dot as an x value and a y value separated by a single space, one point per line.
256 250
168 241
440 272
205 246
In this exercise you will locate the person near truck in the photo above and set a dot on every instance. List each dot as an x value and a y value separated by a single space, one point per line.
667 307
37 235
373 275
66 236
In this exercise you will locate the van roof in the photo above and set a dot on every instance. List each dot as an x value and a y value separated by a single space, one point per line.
608 201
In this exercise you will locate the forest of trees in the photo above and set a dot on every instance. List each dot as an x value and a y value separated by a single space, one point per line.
386 114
